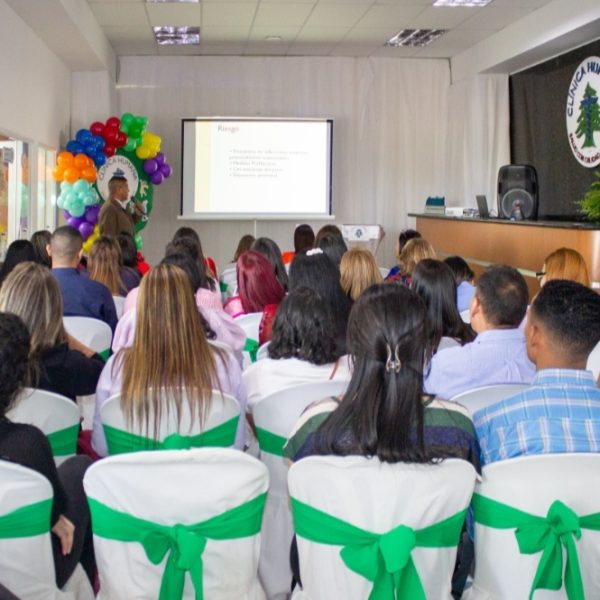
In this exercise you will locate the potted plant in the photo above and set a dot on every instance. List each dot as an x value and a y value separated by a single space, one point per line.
590 204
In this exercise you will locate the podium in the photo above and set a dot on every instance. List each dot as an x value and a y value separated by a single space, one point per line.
363 236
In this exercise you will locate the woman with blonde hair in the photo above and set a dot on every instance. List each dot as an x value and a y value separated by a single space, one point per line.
60 363
358 271
170 351
415 250
565 263
105 265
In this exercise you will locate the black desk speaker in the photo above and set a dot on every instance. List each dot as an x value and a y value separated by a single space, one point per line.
517 192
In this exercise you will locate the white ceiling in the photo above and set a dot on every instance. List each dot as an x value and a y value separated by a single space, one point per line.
307 27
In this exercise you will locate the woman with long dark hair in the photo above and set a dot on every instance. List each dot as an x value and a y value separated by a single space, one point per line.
433 281
384 412
18 252
268 248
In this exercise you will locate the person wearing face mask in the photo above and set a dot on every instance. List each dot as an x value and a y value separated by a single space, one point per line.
115 216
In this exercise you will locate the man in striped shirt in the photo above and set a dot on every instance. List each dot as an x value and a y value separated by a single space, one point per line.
560 412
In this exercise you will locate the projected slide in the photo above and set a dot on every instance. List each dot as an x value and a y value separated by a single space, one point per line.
256 168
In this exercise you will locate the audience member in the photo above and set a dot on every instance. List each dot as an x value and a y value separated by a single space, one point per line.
26 445
413 251
81 296
560 412
18 252
565 263
358 271
498 353
304 239
329 229
115 215
206 262
270 250
60 363
105 265
258 291
169 352
228 277
433 281
384 412
41 241
302 348
464 278
244 244
405 236
130 257
333 245
315 270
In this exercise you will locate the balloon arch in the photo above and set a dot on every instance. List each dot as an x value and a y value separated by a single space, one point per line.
91 159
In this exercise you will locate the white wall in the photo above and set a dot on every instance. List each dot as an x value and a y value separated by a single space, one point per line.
35 89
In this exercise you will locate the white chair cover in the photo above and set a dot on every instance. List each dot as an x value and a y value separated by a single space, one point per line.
263 351
531 484
465 315
485 396
93 333
48 411
26 563
250 324
171 487
377 497
593 361
278 413
228 278
222 408
384 271
119 305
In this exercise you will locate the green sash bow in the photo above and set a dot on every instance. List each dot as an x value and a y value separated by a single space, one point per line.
251 347
385 559
27 521
122 442
270 442
64 441
559 528
182 544
223 287
105 354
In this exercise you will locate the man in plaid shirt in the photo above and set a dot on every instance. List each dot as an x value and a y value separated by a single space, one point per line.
560 412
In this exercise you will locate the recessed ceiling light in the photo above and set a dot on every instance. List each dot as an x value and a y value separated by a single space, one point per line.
177 36
273 38
415 37
461 2
173 1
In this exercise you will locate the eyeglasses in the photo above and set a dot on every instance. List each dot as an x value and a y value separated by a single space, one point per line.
540 274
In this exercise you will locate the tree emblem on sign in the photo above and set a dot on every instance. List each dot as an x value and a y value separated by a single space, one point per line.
589 117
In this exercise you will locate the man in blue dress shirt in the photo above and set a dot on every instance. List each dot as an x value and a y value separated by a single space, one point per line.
560 412
82 297
498 354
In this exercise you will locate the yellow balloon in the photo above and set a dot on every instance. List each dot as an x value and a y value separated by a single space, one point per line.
87 245
96 231
143 152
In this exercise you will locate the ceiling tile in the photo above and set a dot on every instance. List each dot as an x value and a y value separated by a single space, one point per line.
354 49
223 35
228 14
286 15
288 34
178 50
442 17
495 17
466 37
116 14
132 34
230 49
322 35
310 49
400 52
397 16
136 48
336 15
174 14
266 49
370 36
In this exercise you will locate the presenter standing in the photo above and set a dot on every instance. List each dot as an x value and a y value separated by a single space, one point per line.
116 215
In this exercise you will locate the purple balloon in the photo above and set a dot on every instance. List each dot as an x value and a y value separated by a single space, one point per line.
157 178
159 158
91 214
150 166
86 229
75 222
166 170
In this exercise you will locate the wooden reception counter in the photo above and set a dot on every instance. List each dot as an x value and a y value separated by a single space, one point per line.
522 244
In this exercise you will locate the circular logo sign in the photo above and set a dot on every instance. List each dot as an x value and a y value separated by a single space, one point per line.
583 112
120 166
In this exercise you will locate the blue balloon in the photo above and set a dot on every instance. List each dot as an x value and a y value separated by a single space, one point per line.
99 142
99 158
74 147
83 135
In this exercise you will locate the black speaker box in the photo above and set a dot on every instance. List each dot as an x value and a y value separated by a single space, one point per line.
517 192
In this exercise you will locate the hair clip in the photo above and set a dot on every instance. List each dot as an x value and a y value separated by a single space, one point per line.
392 366
314 251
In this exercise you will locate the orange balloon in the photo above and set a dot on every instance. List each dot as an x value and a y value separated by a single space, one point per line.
58 173
65 159
89 174
71 175
81 162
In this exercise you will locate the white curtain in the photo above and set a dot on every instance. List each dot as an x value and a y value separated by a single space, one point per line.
391 138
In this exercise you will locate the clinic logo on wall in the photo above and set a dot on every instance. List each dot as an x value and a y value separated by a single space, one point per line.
117 165
583 112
